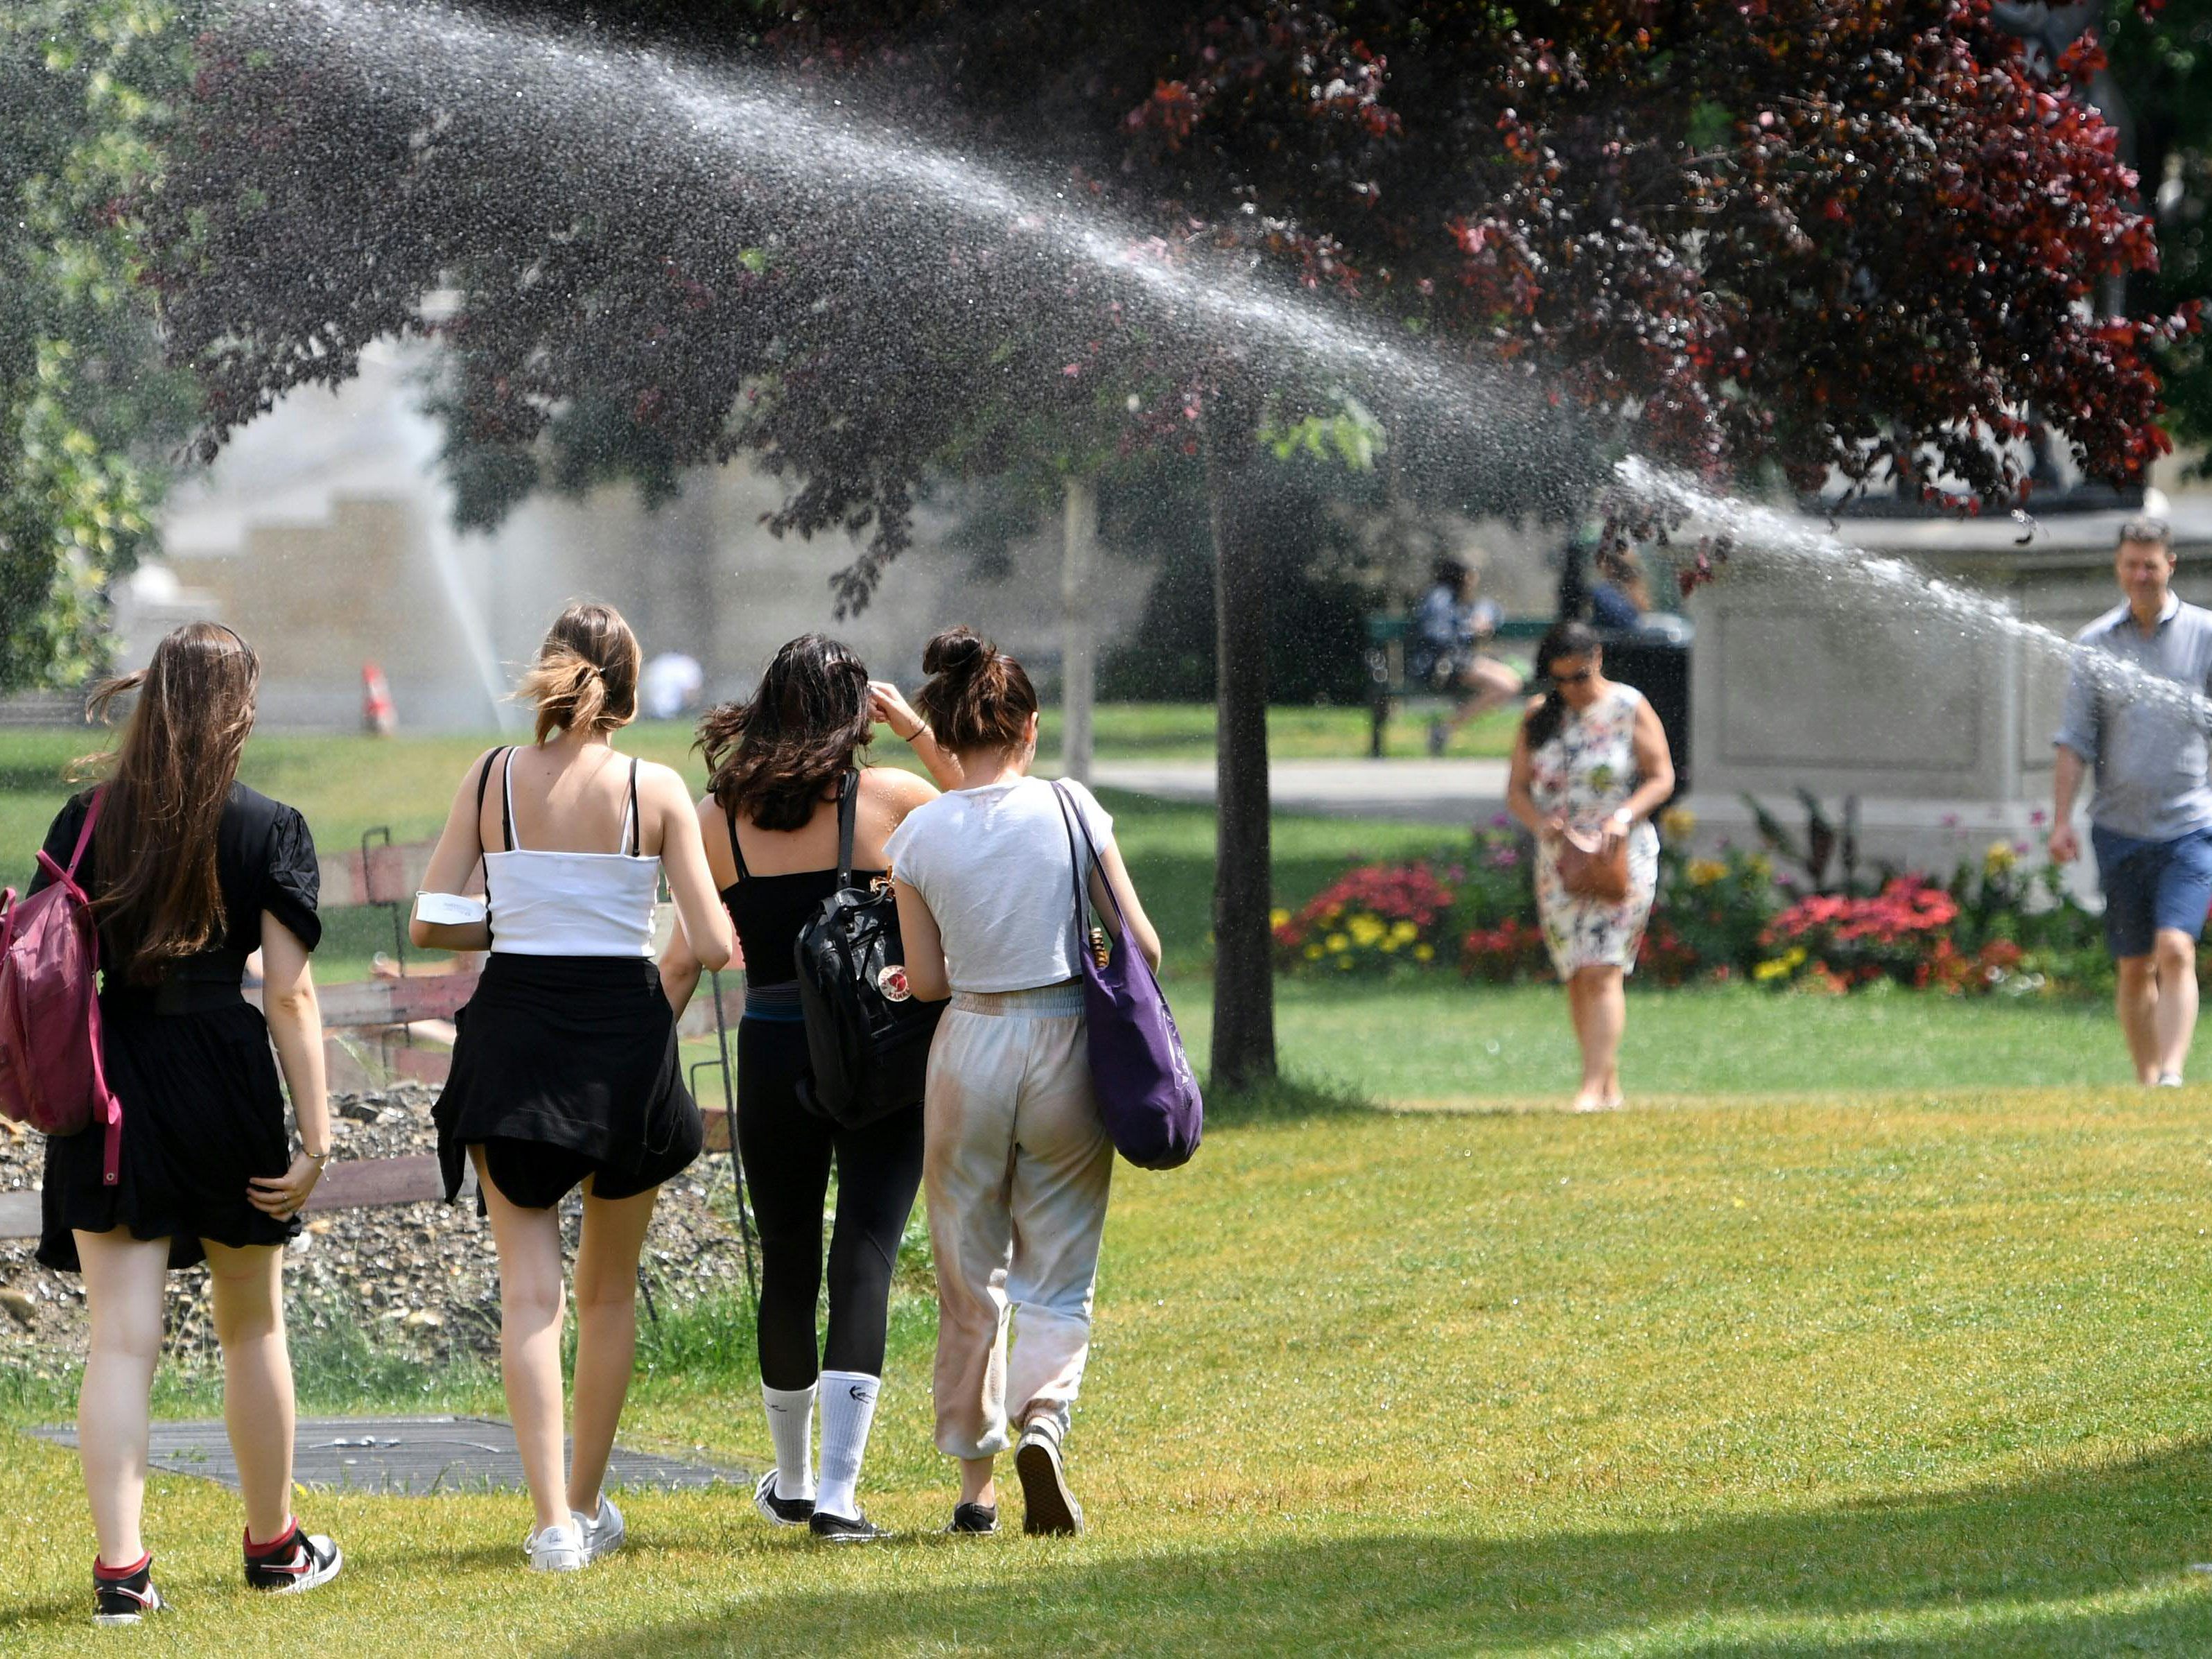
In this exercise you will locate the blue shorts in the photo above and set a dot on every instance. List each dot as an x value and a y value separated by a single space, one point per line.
2150 885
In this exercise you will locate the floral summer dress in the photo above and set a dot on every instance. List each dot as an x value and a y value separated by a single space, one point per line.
1585 773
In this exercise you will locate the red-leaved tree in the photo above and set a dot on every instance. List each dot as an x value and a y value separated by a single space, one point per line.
1733 236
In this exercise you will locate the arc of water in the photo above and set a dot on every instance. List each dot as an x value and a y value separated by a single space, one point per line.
766 128
1887 579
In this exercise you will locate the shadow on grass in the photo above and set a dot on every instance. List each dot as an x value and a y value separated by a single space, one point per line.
1283 1100
1997 1570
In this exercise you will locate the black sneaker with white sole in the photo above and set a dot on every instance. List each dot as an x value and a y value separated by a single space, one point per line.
845 1528
292 1564
1048 1506
125 1598
783 1511
973 1519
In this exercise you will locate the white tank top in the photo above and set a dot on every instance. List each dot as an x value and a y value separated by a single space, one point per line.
570 904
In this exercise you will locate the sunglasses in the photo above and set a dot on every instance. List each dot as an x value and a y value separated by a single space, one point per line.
1580 677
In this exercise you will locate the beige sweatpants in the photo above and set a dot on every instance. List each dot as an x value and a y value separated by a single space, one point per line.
1016 1168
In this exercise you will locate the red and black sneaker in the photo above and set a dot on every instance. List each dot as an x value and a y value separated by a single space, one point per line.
124 1594
293 1563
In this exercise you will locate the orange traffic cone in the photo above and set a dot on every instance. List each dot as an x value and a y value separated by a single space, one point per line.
378 717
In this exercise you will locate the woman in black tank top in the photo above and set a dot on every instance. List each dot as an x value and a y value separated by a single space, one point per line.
779 762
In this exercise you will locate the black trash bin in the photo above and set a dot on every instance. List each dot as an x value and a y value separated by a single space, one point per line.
1659 667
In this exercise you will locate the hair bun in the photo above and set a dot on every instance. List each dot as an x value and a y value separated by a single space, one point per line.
958 651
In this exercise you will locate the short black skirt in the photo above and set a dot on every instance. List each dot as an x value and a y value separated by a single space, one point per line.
202 1114
566 1067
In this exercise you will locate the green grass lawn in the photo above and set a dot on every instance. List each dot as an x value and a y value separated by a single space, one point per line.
1876 1328
1916 1373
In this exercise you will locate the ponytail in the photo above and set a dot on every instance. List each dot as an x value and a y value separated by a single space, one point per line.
585 675
978 698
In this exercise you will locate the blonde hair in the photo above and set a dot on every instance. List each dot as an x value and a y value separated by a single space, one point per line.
586 675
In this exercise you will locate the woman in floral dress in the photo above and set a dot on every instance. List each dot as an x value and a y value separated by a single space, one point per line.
1591 758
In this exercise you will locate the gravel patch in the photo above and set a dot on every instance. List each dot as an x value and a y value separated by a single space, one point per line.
420 1278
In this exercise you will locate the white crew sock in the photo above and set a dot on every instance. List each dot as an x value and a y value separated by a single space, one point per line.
790 1426
848 1410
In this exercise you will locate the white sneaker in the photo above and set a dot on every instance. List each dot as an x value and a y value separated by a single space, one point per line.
556 1548
2169 1080
603 1533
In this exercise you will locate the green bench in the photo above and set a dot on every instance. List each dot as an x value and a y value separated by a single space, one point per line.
1387 685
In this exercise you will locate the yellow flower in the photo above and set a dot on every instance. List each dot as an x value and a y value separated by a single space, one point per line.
1704 872
1313 953
1677 823
1403 932
1343 962
1760 865
1365 929
1424 953
1391 941
1999 860
1337 941
1773 968
1278 917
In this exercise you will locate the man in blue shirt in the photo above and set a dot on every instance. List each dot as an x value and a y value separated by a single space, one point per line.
2150 823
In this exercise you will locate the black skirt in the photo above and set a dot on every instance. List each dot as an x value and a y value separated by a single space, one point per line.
565 1066
202 1114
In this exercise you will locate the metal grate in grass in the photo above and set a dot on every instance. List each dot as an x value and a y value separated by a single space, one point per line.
403 1455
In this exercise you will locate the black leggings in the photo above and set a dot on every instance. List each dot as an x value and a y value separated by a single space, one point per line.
787 1151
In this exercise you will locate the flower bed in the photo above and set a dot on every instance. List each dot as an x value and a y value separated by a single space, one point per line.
1995 925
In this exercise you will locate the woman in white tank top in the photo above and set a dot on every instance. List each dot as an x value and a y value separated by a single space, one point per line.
565 1071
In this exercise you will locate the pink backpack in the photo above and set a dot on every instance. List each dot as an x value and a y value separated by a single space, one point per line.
51 1076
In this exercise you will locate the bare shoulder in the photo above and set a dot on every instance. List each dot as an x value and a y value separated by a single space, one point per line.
664 785
895 787
478 768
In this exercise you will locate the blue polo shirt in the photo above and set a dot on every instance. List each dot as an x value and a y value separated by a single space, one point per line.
2148 758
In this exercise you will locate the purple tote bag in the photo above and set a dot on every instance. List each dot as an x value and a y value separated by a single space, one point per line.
1146 1094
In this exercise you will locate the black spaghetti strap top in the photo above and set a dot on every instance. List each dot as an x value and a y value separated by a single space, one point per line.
768 911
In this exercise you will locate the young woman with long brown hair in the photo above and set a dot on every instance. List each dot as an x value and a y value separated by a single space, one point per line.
565 1071
190 872
1019 1164
781 761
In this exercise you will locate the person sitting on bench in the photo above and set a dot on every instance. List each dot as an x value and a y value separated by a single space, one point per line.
1449 625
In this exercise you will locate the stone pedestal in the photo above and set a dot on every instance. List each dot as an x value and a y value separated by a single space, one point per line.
1941 731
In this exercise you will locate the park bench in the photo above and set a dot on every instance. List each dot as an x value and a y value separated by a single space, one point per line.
1387 684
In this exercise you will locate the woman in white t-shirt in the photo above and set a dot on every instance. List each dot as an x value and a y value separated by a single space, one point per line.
1016 1164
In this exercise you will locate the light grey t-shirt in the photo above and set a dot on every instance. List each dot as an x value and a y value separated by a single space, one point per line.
2148 754
994 866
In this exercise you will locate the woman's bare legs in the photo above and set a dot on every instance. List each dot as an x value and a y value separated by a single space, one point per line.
531 1306
124 1280
257 1379
1601 1012
606 1334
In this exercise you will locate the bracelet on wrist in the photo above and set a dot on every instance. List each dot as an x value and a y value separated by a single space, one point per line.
318 1159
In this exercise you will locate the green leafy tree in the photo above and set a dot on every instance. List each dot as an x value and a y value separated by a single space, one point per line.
88 409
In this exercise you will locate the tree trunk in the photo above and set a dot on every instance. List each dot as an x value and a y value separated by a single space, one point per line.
1078 536
1243 947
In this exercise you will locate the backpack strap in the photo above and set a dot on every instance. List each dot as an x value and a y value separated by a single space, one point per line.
849 807
507 802
84 835
737 852
106 1107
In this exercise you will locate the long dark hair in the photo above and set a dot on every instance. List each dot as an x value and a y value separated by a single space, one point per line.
586 674
154 858
772 757
1565 639
977 697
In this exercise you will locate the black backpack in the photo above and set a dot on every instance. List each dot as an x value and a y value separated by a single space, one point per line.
867 1036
